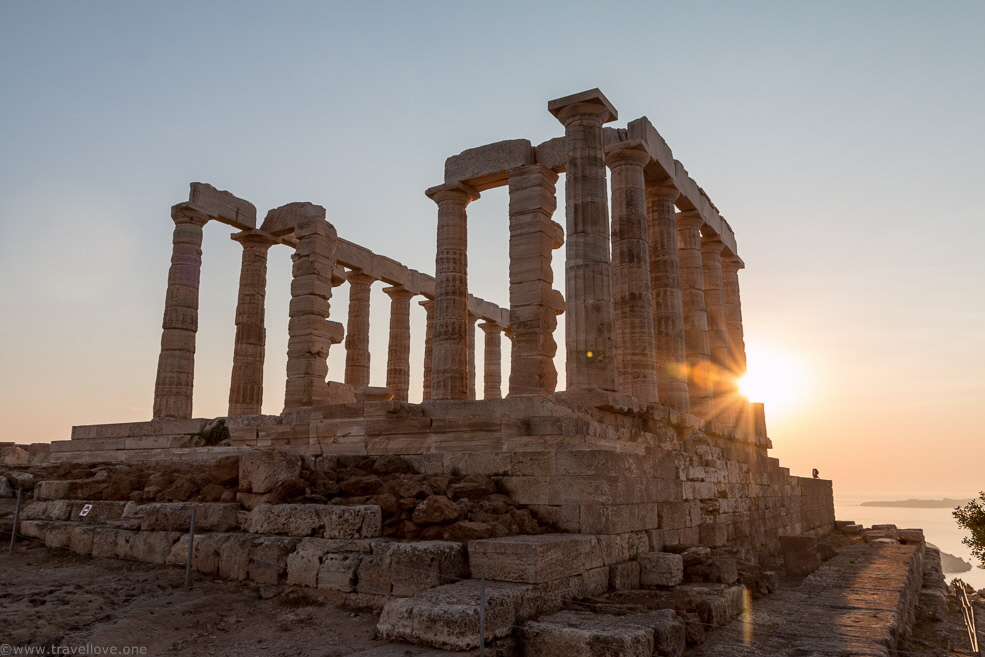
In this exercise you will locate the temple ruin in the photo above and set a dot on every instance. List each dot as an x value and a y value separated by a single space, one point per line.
546 495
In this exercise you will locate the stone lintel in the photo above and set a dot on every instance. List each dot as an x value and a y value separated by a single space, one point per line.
534 559
663 165
222 206
486 167
283 220
552 154
589 97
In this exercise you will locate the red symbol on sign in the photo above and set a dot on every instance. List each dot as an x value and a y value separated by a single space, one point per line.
85 510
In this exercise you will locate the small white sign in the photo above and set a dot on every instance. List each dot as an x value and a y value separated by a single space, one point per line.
85 510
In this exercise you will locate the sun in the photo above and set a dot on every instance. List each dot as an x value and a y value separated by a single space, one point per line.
776 377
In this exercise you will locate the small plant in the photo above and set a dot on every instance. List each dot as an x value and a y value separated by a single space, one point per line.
972 517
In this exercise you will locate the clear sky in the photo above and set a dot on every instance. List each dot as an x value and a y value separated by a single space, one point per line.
843 141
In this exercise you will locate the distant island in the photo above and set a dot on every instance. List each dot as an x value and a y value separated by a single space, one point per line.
951 564
921 504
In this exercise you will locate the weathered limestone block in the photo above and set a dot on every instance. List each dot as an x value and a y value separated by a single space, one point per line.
104 541
486 166
585 634
262 469
234 556
416 567
661 569
624 576
337 572
534 559
800 554
330 521
177 516
448 616
81 537
725 602
268 558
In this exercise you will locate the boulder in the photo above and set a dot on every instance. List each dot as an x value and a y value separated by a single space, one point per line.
436 510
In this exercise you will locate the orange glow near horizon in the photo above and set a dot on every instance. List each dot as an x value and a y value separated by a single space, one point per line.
776 377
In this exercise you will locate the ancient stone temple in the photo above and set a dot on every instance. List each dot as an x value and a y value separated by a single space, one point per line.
650 446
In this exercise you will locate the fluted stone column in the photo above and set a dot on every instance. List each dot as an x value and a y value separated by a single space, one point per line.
636 361
449 372
534 303
695 318
246 385
590 357
311 333
492 379
731 264
428 305
665 284
711 264
398 352
176 364
471 342
357 354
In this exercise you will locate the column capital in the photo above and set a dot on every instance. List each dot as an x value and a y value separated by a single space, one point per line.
732 262
359 277
591 102
690 219
455 192
254 238
627 153
663 190
427 304
399 293
490 327
712 243
186 213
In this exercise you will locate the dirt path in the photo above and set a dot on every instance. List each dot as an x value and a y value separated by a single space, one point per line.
57 598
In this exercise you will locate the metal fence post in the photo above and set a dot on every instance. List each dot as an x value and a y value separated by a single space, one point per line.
17 515
188 560
482 617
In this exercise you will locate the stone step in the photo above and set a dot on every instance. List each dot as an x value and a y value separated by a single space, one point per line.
586 634
155 455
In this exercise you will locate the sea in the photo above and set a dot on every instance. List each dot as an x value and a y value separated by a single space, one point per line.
938 525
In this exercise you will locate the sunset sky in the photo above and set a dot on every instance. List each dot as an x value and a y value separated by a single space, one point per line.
843 141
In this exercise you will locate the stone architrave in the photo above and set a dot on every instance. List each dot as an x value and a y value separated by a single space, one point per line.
492 380
534 304
176 364
665 283
357 354
428 305
311 334
449 371
246 384
731 264
718 346
470 335
695 318
589 344
398 351
636 363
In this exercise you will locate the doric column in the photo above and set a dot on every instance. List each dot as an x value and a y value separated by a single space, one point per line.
428 305
311 334
589 344
636 362
357 330
695 319
246 385
731 264
471 342
534 303
449 373
665 284
176 364
718 347
398 352
492 379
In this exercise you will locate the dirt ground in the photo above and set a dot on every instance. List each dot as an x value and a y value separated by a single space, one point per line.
58 598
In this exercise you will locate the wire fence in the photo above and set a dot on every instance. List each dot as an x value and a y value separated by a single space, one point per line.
737 629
